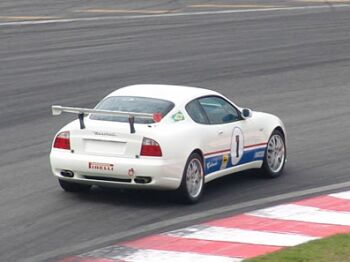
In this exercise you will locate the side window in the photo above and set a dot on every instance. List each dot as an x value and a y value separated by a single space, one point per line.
218 110
196 112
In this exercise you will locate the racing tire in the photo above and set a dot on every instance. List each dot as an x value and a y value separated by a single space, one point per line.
275 155
192 183
73 187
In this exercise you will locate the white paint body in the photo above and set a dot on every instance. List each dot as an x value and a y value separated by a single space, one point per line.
112 143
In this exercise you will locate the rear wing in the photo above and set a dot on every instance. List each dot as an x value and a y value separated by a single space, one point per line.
82 112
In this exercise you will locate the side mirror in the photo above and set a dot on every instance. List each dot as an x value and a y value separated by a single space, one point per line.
247 113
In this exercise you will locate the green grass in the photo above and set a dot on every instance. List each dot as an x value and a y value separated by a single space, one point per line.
332 249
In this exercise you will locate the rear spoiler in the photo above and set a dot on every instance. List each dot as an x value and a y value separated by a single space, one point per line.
81 112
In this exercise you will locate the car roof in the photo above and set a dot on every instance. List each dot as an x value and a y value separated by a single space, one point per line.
173 93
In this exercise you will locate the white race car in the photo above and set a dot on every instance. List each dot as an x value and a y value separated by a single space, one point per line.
164 137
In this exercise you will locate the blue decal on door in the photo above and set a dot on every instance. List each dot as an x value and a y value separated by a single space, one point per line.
220 162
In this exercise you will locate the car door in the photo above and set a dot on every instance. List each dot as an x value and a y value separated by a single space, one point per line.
212 137
231 135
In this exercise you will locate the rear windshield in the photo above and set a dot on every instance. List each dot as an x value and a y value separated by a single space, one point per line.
132 104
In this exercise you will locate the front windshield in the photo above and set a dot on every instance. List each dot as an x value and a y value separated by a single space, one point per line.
132 104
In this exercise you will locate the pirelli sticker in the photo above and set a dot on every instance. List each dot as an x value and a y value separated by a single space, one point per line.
101 166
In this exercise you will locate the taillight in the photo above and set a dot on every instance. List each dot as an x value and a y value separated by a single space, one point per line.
150 148
62 141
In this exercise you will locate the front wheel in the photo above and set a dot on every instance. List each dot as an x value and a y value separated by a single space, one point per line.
73 187
275 155
192 183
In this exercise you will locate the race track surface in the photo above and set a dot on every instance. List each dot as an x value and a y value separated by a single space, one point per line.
293 63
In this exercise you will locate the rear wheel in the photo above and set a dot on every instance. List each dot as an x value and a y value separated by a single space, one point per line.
192 183
73 187
275 155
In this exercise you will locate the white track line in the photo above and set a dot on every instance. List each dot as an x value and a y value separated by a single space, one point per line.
342 195
103 18
241 236
148 255
304 214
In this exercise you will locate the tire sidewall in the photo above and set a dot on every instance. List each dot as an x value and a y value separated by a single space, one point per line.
267 171
183 190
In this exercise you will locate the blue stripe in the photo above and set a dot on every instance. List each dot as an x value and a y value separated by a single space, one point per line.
213 164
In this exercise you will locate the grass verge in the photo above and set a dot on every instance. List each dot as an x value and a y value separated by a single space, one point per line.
331 249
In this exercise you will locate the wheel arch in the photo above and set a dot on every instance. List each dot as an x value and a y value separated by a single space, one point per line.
182 190
280 129
199 152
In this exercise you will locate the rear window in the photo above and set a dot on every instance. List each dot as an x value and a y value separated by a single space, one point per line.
132 104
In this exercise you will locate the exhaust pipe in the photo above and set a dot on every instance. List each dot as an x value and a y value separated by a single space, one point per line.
67 173
142 179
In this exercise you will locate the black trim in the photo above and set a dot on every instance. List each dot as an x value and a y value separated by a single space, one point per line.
109 179
81 120
131 123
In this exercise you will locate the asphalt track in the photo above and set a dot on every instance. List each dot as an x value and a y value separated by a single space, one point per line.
293 63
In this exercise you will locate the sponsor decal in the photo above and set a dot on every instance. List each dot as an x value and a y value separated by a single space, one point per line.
101 166
212 163
100 133
224 163
157 117
225 159
178 116
259 154
221 162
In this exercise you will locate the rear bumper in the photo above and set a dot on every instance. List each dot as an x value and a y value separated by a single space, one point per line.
164 174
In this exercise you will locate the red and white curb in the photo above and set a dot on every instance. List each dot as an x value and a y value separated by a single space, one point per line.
238 237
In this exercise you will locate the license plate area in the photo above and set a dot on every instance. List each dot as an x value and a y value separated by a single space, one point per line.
101 147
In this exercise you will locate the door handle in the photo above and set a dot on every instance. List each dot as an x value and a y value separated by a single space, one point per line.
220 132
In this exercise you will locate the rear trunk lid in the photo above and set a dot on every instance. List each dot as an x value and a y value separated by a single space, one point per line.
104 138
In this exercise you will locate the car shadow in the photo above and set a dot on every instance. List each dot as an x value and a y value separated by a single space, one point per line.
239 183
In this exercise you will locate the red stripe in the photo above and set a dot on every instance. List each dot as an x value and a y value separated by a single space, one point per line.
249 222
217 248
327 202
229 150
217 152
256 145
